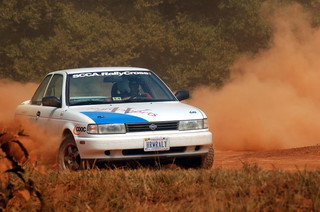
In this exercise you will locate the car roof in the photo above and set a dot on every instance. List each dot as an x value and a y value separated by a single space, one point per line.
99 69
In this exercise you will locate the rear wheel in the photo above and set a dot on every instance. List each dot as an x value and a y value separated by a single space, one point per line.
69 157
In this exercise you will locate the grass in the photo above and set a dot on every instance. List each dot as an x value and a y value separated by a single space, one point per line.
143 189
31 188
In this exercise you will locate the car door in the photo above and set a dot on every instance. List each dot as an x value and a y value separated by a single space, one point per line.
50 116
32 111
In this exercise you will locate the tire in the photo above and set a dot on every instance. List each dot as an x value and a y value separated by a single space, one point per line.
207 160
204 162
69 156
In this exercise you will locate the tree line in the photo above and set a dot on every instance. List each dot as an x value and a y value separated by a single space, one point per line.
186 42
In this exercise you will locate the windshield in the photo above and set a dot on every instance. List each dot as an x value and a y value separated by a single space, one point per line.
116 87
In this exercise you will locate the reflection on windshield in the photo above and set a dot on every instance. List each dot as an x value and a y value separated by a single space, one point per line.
116 87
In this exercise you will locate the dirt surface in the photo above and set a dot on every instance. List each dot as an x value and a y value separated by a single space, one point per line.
304 158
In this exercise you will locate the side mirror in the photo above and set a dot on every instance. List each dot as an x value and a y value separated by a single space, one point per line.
51 101
182 95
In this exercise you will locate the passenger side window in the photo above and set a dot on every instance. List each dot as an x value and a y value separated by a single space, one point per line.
38 95
55 86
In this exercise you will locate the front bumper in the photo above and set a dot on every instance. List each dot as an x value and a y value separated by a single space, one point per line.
130 146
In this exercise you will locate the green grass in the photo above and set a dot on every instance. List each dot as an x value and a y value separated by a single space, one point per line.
143 189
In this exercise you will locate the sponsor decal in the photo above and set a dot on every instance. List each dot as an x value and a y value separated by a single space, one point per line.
116 98
110 73
112 118
78 129
125 111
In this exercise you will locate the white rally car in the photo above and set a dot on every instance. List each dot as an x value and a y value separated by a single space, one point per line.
118 114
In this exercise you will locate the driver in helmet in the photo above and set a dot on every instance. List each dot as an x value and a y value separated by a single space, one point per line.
135 90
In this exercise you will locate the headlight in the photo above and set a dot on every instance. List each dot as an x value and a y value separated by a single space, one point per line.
106 128
193 124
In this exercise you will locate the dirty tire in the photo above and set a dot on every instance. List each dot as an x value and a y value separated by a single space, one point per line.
207 160
204 162
69 157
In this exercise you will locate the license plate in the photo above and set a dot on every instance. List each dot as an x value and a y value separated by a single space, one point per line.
156 144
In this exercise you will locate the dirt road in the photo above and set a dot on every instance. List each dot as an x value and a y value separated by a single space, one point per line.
304 158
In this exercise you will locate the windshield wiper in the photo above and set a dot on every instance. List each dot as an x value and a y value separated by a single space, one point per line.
140 99
89 102
136 100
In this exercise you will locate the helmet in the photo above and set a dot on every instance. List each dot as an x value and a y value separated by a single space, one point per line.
123 87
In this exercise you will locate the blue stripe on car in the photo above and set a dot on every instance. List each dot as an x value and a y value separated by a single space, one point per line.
111 118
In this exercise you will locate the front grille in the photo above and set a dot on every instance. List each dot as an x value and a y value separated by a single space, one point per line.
142 152
156 126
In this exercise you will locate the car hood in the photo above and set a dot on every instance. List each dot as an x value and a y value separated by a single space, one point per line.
139 112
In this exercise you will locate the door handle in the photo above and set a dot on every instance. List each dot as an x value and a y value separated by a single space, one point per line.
38 113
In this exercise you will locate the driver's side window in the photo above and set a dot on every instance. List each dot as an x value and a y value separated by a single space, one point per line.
37 97
55 86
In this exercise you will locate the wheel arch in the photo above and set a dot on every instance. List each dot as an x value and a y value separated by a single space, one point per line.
66 133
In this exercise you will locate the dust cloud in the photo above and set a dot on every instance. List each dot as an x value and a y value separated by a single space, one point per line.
12 94
40 145
273 98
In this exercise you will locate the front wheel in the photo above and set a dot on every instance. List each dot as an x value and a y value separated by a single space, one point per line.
207 160
69 157
204 162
